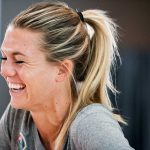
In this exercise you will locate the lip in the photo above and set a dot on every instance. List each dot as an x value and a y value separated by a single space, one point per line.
13 88
14 82
16 92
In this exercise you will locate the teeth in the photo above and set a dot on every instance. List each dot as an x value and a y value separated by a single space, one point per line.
15 86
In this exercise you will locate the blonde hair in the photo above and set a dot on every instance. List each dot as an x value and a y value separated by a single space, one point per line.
92 50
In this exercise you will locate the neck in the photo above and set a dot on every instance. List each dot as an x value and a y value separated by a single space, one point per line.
50 119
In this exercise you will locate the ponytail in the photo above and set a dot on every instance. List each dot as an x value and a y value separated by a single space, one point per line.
101 57
103 50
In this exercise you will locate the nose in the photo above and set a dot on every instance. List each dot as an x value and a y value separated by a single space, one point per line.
7 69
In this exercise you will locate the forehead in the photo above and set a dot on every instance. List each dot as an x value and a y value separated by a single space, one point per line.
17 39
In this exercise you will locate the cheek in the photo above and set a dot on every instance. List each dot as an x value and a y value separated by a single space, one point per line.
25 76
38 79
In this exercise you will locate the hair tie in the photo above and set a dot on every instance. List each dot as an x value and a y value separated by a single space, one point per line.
80 15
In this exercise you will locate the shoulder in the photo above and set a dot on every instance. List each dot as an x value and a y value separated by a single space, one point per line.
95 128
94 115
13 119
94 111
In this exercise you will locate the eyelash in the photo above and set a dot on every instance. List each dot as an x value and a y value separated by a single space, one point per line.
3 58
17 62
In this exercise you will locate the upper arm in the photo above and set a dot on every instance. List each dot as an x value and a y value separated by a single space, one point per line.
98 131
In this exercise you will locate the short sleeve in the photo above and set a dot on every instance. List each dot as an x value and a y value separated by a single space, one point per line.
4 136
97 130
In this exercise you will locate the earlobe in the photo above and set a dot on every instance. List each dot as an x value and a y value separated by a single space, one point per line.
64 70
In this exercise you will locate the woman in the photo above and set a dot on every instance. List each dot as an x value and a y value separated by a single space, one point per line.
56 62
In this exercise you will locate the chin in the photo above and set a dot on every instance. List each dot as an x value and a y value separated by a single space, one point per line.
17 104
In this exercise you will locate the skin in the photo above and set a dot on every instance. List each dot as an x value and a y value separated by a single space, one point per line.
46 92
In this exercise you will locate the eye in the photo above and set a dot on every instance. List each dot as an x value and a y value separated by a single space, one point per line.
3 58
19 62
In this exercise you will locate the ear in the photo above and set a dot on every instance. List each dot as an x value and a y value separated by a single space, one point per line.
64 70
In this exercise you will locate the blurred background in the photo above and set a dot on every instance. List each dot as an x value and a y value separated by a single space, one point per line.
132 77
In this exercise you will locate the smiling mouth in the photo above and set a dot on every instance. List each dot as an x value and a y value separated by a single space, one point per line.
15 87
16 90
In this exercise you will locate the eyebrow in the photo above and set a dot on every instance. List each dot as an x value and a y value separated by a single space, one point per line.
18 53
14 53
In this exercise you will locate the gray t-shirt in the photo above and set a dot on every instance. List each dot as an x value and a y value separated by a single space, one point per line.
93 129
